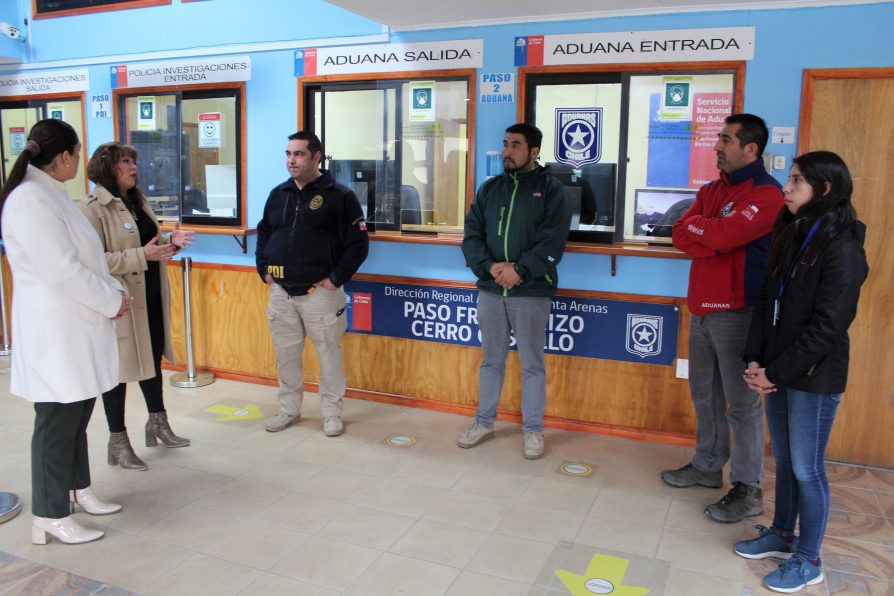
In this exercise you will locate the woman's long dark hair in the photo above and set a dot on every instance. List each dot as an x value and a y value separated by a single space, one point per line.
52 137
828 176
102 171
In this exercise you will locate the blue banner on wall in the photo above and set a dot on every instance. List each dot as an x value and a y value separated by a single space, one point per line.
590 328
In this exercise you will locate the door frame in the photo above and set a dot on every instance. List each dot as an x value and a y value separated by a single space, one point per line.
812 75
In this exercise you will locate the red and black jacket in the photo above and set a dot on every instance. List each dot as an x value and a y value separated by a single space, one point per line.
727 233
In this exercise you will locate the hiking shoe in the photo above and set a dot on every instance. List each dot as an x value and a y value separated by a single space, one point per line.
533 445
333 426
794 574
474 435
689 475
281 421
740 502
767 544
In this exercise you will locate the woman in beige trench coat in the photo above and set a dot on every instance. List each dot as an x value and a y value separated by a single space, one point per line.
136 252
63 336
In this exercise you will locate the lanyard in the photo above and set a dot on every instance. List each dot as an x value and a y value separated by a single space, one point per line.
791 270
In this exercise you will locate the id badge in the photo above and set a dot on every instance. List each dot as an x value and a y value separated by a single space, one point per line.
775 311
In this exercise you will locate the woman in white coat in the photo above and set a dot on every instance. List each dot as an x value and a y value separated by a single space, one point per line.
64 349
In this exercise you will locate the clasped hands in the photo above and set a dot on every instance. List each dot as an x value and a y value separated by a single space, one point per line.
756 379
126 303
504 274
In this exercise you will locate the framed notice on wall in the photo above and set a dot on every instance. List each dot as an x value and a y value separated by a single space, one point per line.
42 9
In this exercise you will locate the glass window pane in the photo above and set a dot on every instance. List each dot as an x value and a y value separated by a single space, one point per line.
151 125
17 123
71 111
581 125
434 150
210 127
357 132
672 128
405 161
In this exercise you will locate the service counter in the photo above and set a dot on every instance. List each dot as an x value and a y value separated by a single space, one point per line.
610 357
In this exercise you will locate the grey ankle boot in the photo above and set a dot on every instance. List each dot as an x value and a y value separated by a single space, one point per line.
121 453
158 428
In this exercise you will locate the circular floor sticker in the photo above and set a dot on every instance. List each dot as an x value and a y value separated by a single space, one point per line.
576 469
400 440
599 586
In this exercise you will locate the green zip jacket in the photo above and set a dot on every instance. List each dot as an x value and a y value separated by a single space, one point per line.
522 218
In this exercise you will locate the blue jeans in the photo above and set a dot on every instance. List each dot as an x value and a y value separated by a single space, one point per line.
800 424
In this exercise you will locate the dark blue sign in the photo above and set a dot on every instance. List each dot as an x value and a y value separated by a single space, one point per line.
589 328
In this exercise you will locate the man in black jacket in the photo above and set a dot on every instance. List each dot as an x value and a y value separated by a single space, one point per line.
311 240
515 235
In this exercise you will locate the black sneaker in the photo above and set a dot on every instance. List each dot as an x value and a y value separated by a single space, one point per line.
740 502
689 475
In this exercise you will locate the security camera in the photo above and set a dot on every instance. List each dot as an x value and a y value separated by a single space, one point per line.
11 31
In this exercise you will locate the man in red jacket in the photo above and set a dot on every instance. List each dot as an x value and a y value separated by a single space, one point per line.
727 233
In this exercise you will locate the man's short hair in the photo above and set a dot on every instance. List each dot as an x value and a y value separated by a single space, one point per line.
313 141
532 134
753 129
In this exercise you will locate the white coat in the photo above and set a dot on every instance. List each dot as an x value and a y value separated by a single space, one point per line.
63 337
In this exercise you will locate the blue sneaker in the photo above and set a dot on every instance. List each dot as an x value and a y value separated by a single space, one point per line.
767 544
794 574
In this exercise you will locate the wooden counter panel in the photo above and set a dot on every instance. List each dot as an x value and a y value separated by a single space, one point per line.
230 333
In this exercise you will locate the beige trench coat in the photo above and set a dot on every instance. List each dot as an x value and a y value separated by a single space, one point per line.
127 263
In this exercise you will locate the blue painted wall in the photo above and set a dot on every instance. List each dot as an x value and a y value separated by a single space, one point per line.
11 12
787 41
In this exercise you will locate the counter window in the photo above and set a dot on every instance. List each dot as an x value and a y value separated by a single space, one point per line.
401 144
16 120
189 146
631 148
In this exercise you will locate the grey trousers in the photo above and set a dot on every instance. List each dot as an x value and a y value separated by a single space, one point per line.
721 398
59 461
527 318
321 316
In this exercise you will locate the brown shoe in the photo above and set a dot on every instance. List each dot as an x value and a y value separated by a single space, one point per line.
121 453
157 427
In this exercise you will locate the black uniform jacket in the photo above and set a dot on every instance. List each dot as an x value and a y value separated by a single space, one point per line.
309 234
808 347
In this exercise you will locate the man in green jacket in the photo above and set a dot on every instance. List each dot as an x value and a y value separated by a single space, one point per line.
515 234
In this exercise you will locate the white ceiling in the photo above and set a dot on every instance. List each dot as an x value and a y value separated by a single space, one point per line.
404 15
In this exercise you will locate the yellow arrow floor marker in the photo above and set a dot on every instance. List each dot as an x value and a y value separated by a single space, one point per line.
229 413
604 576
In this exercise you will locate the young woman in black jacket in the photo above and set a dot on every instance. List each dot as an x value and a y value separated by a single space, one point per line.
797 354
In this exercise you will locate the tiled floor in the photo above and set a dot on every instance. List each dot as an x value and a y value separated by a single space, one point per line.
243 511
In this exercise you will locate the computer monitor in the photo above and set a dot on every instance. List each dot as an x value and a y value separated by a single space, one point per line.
656 211
591 189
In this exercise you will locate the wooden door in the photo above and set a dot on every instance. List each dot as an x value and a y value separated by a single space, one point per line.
848 111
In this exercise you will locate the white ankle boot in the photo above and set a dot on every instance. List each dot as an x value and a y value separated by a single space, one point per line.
89 502
65 530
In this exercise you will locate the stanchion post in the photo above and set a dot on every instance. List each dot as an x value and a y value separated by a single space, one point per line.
190 378
5 350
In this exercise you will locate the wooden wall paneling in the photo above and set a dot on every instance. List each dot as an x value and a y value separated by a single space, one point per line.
848 111
230 335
